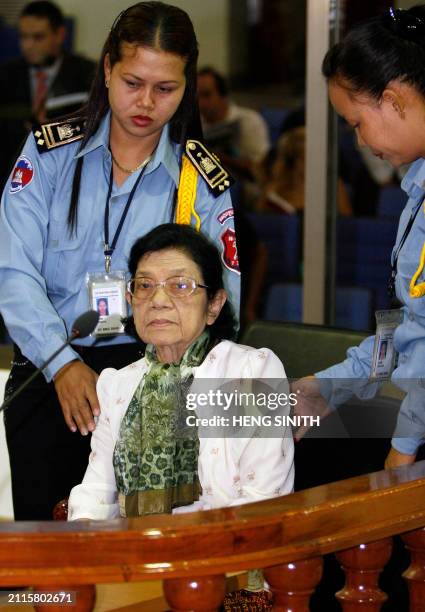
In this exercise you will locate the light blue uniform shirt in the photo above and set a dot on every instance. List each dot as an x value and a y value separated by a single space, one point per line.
409 337
43 269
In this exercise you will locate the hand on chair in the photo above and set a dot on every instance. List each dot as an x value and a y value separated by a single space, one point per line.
395 459
309 402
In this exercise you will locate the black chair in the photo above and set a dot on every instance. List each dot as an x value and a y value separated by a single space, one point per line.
303 349
353 440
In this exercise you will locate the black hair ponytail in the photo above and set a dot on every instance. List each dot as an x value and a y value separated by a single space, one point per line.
380 50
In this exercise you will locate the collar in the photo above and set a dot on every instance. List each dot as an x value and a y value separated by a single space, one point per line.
49 70
414 181
166 153
232 112
192 357
99 139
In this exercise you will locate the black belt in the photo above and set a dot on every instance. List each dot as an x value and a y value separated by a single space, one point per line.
84 351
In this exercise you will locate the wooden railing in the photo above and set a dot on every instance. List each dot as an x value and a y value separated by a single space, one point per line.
191 553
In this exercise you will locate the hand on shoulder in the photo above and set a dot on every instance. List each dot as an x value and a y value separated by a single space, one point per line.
75 385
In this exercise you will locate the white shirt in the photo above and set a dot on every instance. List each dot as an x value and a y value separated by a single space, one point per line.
251 137
232 471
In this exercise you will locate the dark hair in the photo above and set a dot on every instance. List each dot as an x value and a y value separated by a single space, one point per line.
380 50
220 81
152 25
200 250
44 10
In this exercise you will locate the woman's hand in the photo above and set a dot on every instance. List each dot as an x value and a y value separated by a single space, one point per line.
75 385
395 459
309 402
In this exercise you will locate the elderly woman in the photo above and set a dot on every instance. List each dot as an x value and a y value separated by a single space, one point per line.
139 465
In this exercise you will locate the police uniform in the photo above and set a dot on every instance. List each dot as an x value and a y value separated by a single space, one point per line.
409 337
43 270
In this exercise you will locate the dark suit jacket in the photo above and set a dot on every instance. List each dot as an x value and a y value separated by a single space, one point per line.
75 75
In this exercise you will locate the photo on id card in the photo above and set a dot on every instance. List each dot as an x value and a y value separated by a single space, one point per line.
107 297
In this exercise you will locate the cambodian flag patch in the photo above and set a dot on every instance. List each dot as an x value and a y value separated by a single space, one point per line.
22 174
225 216
229 254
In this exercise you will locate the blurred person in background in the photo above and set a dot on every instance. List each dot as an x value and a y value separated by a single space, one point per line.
284 181
44 82
238 135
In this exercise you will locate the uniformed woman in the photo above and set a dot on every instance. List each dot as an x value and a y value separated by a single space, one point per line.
376 82
80 194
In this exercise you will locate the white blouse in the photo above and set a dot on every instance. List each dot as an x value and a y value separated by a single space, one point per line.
232 471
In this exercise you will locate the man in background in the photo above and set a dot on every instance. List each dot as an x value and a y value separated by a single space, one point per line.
44 83
238 135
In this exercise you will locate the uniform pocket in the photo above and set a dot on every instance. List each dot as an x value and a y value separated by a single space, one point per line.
65 260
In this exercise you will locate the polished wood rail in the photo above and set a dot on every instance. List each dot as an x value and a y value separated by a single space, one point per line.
287 536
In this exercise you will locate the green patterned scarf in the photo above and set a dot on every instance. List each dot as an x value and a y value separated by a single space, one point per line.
156 456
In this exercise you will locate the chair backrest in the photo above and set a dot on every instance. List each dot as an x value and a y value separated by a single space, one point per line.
353 308
391 201
303 349
284 302
281 234
274 118
364 248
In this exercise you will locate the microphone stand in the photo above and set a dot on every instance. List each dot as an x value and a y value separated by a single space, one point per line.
83 326
10 399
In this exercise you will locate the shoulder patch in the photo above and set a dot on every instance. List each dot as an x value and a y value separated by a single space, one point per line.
209 167
227 214
22 174
229 254
51 135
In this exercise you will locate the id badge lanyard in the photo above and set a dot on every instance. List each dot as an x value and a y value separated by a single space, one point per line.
384 357
391 282
106 290
108 249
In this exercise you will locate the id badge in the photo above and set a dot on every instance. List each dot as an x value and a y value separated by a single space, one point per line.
107 296
384 354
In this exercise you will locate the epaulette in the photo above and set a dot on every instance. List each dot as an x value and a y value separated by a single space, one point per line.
209 167
51 135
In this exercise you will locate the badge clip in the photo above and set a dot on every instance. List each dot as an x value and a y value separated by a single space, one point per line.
108 258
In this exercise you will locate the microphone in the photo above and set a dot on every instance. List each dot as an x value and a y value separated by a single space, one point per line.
82 327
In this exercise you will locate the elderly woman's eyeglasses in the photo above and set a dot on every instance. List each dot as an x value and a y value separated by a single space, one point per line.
143 288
